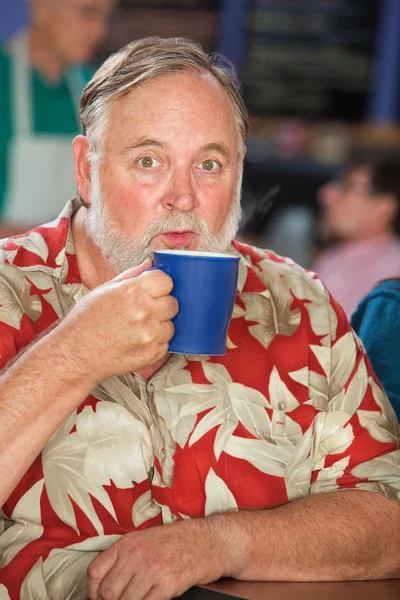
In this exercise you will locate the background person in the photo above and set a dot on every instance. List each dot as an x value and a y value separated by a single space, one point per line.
361 216
42 75
377 322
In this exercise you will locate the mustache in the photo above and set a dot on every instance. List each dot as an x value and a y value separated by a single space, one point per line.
176 220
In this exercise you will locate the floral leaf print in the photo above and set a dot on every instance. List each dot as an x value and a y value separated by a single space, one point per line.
238 311
318 313
27 525
223 435
4 595
229 402
387 466
242 275
299 468
15 298
34 586
63 460
219 498
217 374
333 435
249 408
348 401
144 509
327 478
280 396
62 575
259 309
212 419
34 242
343 361
301 376
266 457
323 355
119 447
229 344
119 390
271 318
380 424
319 388
247 405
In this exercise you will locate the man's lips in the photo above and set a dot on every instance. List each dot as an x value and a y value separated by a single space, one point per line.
178 238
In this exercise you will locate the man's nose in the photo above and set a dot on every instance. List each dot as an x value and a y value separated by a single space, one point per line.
182 194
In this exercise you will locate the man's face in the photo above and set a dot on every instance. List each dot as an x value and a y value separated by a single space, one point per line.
348 205
74 28
170 171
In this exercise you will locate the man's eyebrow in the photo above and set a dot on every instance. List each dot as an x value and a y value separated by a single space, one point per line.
141 142
221 148
212 147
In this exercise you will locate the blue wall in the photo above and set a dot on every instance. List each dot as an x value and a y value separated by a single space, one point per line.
13 17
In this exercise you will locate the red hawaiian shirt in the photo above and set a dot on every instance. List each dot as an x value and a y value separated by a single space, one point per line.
292 409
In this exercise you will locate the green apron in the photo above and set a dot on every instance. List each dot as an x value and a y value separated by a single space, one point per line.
40 174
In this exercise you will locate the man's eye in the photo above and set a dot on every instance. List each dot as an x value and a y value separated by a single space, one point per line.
147 162
209 165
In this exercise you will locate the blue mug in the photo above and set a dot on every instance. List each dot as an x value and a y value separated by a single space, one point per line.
205 286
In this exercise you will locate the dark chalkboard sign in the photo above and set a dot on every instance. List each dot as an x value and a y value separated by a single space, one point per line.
309 58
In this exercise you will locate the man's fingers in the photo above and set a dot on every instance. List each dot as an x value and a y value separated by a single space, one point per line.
118 582
134 271
137 589
98 569
166 308
167 331
156 593
156 283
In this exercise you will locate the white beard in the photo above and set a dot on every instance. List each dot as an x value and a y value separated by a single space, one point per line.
123 251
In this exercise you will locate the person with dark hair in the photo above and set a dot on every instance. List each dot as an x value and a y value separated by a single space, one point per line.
377 322
361 216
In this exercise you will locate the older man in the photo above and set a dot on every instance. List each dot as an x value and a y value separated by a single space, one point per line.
105 437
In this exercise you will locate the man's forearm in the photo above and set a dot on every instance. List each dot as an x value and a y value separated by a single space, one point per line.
349 535
37 393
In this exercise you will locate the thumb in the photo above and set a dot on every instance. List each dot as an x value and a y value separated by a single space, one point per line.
134 271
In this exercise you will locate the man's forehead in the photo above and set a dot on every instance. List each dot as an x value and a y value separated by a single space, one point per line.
175 108
201 97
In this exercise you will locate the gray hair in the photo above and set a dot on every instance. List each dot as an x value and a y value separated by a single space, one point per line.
143 61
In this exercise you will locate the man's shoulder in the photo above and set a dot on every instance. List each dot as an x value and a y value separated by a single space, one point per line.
270 266
43 248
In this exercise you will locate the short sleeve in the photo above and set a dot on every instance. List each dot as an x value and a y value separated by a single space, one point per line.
377 322
356 443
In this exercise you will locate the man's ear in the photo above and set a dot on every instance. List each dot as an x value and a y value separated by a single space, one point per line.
83 168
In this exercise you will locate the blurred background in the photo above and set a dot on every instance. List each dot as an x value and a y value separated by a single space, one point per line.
320 80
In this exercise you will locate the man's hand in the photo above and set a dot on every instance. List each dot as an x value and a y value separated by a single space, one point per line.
159 563
123 325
